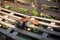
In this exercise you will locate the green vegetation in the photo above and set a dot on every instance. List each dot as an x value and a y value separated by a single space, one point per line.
3 26
35 13
23 10
38 31
48 16
26 11
9 7
53 17
42 26
35 31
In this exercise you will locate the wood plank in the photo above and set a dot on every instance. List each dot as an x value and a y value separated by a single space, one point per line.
14 33
49 28
10 15
57 21
49 24
45 34
7 19
9 29
10 35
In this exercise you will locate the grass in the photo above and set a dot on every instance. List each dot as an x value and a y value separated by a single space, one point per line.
9 7
42 26
26 11
23 10
48 16
4 27
34 13
35 31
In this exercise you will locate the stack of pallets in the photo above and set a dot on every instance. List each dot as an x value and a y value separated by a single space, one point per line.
10 16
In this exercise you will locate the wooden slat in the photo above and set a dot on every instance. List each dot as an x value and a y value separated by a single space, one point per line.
49 24
9 29
47 19
10 15
14 33
45 34
7 19
49 28
10 35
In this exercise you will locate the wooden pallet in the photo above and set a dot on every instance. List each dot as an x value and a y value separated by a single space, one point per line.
11 18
